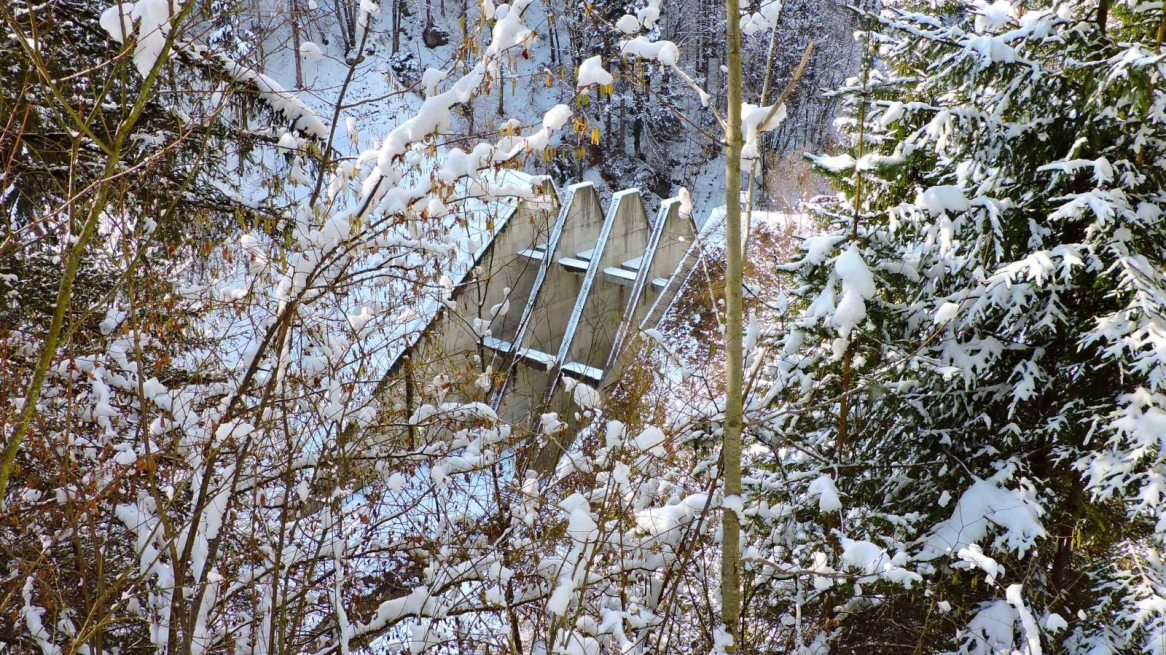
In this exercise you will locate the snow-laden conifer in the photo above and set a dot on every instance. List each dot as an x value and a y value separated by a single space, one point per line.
977 362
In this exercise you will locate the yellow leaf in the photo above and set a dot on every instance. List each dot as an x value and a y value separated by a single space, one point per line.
595 136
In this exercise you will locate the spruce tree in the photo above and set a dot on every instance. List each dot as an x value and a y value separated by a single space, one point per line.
970 397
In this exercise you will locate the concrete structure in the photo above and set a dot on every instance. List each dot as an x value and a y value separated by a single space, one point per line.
559 292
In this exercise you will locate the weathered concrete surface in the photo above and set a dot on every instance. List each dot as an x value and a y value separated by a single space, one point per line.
572 285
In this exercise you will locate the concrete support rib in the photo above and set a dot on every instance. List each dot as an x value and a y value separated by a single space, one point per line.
518 350
561 297
672 234
588 334
595 314
687 255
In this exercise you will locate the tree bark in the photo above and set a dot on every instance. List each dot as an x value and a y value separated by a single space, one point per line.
396 26
554 43
295 25
734 374
623 122
338 10
353 12
501 87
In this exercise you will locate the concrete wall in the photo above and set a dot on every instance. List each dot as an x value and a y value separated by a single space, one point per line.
683 243
523 400
558 315
671 235
677 236
562 287
449 347
599 312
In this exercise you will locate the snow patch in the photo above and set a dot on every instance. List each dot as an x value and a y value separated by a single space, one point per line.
823 487
592 73
986 504
857 287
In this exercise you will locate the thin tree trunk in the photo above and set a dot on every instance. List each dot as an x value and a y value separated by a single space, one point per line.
396 26
295 25
353 13
336 9
554 41
844 404
734 382
1161 32
1061 575
761 102
623 122
72 260
701 62
350 12
501 88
